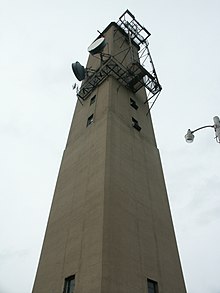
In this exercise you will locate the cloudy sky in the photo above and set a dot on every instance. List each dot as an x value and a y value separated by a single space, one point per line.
39 40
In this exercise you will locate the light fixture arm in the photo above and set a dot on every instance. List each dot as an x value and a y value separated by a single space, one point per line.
190 137
192 131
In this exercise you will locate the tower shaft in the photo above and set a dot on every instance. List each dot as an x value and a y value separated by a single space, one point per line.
110 228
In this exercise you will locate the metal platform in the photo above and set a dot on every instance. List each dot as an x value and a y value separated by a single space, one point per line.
134 77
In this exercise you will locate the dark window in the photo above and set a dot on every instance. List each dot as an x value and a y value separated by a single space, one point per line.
69 284
90 120
152 286
135 124
92 100
133 104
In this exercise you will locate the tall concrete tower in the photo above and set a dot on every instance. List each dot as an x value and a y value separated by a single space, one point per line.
110 228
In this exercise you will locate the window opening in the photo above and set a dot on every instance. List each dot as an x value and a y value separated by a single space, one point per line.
133 104
92 101
152 286
135 124
90 120
69 284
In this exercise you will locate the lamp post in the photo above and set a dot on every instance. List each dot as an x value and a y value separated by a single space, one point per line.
189 137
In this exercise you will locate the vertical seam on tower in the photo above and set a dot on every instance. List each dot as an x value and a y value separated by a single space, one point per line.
105 176
153 223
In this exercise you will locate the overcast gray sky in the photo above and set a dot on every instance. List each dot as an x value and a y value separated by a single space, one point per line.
39 40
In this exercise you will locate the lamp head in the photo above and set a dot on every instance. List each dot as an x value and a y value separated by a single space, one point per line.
189 137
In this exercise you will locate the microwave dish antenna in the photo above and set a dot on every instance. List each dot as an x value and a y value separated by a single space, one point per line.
97 46
79 71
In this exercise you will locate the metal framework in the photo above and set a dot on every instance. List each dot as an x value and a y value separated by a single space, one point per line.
132 77
139 34
139 73
132 27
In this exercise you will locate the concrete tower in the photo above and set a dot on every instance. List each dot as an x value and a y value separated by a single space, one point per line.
110 228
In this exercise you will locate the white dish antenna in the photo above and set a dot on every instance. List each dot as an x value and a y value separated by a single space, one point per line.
97 46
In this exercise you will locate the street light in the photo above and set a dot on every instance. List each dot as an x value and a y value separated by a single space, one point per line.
189 137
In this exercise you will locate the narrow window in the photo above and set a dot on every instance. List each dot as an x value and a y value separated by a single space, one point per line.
69 284
92 100
90 120
133 104
152 286
135 124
